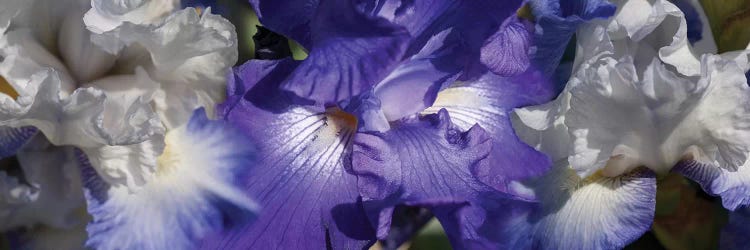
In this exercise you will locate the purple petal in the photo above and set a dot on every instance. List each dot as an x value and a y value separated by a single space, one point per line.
350 53
411 88
367 107
734 234
595 213
427 163
309 199
258 80
290 18
732 187
487 102
12 139
557 21
470 26
506 52
693 20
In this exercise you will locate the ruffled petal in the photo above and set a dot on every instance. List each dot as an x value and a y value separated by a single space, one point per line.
23 56
543 126
350 53
190 194
427 163
487 102
40 185
107 15
302 180
190 55
127 108
472 27
573 213
732 187
71 120
654 120
557 21
661 26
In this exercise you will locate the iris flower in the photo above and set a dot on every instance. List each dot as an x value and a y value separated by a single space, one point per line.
120 81
398 103
641 102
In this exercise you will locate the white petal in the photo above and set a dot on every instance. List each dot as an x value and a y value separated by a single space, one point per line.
659 25
85 60
543 127
191 55
127 109
188 193
129 166
106 15
592 213
21 56
76 120
50 193
723 114
616 118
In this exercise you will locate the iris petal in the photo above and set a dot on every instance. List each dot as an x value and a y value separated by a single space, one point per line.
291 18
350 53
506 51
732 187
12 139
487 102
427 163
186 53
593 213
557 21
734 234
71 120
190 195
302 179
42 188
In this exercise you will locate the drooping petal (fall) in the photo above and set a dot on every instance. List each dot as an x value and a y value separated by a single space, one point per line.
192 191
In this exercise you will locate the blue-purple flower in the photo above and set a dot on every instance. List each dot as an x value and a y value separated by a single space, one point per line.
398 103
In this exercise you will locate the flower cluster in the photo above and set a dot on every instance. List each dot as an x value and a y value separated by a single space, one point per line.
127 125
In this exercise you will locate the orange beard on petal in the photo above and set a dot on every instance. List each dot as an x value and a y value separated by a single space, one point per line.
7 89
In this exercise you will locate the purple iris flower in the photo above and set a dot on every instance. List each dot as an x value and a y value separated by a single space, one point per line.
399 103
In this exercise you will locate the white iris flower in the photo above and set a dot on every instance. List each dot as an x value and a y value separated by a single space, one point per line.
120 80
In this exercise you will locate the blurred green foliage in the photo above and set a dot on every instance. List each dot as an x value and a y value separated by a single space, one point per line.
4 243
431 237
730 23
686 217
298 52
